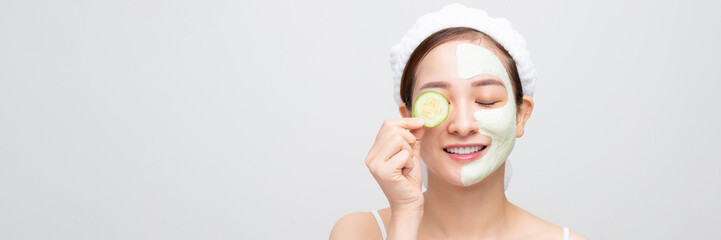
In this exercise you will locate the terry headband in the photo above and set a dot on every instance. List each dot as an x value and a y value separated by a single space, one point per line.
457 15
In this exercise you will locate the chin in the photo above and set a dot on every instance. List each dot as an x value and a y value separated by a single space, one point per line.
456 179
452 175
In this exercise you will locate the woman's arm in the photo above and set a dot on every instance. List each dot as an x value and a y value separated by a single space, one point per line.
394 161
404 224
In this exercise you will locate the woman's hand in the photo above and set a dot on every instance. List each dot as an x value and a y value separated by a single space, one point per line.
394 161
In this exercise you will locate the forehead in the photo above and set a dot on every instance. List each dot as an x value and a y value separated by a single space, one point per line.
440 64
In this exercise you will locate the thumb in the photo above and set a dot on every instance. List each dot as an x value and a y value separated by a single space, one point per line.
419 133
417 151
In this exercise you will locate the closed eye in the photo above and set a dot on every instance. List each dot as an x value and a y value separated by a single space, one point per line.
487 104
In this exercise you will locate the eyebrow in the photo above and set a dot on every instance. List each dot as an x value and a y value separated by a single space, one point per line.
478 83
435 85
485 82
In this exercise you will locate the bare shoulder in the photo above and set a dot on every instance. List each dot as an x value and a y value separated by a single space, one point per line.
535 227
576 236
357 225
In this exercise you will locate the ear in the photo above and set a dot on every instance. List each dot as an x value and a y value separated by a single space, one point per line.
522 115
404 111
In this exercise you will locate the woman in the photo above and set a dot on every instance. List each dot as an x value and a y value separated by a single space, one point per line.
481 66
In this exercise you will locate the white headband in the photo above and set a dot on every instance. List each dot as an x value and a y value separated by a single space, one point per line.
457 15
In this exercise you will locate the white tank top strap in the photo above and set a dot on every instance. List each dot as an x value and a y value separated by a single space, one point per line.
566 233
379 220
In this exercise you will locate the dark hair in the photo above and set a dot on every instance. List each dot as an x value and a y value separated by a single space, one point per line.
449 34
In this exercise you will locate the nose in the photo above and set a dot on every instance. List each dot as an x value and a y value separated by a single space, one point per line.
460 119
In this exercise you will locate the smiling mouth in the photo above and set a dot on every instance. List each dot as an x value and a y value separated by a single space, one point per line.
464 150
466 154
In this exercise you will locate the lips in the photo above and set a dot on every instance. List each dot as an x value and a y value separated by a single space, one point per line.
465 152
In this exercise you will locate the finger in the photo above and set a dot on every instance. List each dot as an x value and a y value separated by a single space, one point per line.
418 133
406 171
382 139
401 160
416 147
406 123
407 135
395 132
411 166
410 124
392 147
385 132
417 171
382 149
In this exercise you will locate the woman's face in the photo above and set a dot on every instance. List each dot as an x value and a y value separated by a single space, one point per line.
480 130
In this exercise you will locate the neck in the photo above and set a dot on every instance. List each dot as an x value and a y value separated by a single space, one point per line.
477 211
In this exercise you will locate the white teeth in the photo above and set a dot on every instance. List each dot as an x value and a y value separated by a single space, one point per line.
464 150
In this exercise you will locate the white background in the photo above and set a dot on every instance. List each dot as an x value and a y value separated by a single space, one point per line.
249 120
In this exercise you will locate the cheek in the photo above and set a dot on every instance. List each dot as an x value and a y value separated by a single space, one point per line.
427 148
435 158
429 143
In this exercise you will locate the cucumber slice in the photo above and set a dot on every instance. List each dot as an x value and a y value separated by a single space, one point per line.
432 107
